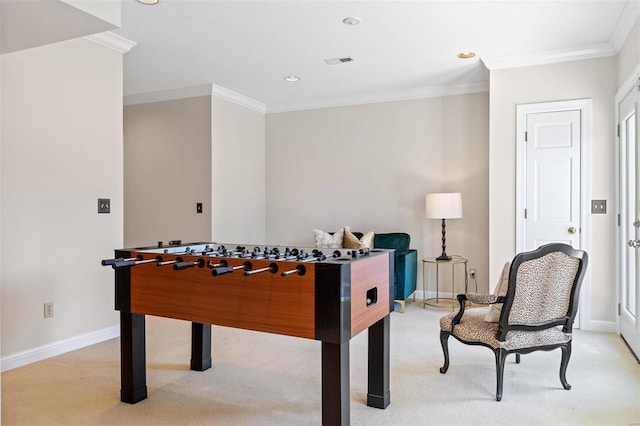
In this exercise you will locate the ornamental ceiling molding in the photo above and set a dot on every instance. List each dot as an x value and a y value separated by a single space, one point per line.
112 41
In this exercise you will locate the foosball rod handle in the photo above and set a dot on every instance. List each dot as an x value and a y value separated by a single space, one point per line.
225 270
110 262
184 265
124 263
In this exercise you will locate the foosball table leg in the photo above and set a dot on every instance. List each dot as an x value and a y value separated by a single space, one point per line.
378 394
335 384
200 346
132 358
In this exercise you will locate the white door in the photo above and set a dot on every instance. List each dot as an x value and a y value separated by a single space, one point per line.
629 220
552 198
553 145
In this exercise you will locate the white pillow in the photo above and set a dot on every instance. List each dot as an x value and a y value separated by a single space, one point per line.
501 290
326 240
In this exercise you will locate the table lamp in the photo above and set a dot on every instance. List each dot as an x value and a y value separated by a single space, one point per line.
443 206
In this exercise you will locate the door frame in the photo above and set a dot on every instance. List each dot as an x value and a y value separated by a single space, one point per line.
584 105
627 86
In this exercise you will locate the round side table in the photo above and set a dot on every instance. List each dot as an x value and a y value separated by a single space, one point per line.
436 301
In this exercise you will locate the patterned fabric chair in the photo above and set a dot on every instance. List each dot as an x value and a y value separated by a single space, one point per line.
537 313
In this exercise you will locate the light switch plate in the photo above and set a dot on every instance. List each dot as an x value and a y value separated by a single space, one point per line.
104 205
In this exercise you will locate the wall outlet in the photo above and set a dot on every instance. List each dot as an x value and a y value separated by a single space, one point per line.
472 273
48 309
598 206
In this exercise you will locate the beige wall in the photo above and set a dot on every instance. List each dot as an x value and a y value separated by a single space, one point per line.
594 79
370 166
629 55
61 151
167 171
238 173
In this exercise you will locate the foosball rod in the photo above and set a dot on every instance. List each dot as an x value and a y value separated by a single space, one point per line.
318 257
160 262
300 270
212 265
273 268
268 254
229 254
111 262
125 263
228 269
184 265
222 251
292 254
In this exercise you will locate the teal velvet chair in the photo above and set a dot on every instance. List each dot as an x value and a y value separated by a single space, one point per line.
406 263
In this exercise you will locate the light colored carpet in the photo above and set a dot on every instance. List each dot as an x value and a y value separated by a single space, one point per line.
264 379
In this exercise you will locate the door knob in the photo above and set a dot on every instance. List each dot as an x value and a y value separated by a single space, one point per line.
572 230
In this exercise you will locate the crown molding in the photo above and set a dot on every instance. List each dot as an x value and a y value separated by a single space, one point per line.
628 19
168 95
112 41
245 101
391 96
549 57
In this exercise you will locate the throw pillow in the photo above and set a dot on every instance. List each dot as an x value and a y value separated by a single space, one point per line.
501 290
326 240
352 242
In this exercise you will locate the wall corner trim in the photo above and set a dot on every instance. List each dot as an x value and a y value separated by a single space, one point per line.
56 348
112 41
229 95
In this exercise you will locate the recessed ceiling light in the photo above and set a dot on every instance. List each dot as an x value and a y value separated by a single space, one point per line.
351 20
292 78
148 1
466 55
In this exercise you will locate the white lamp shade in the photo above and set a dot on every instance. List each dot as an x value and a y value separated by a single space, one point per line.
443 205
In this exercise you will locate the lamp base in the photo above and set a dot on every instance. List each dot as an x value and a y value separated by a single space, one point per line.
443 257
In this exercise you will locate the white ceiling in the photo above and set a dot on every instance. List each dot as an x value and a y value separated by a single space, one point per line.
401 49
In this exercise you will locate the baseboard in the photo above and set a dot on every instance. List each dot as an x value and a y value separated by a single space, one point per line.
56 348
599 326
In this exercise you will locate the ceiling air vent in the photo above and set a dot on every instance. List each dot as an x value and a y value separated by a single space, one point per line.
336 61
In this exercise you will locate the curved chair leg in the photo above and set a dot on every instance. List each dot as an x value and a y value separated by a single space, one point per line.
566 354
444 341
501 355
517 358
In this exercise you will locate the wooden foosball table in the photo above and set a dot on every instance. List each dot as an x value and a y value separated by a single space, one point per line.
330 297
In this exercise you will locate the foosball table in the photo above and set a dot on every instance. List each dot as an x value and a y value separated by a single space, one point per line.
330 295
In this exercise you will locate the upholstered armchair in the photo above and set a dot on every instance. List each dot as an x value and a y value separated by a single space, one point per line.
406 263
538 309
